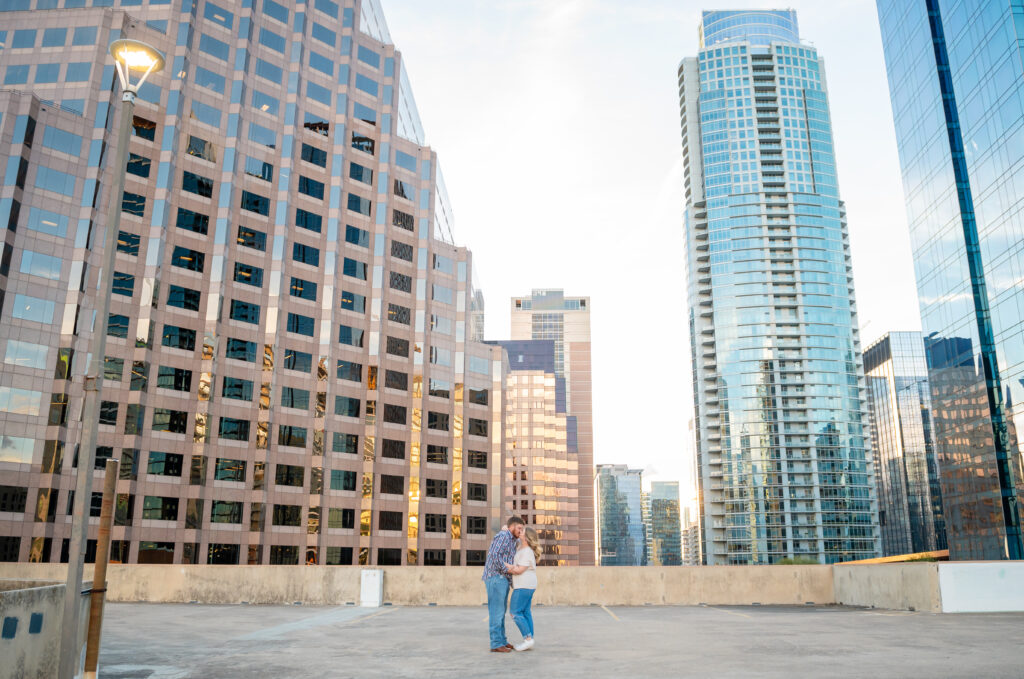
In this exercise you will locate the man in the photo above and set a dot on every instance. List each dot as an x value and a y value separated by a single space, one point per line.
498 580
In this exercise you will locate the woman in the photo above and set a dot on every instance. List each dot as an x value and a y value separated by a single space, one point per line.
524 581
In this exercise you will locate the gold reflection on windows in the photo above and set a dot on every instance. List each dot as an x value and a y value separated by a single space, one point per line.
321 369
313 522
364 527
414 523
371 378
417 386
369 443
367 484
258 469
261 435
457 459
321 403
410 557
316 480
414 489
200 433
265 396
458 392
456 527
208 349
371 412
35 554
43 503
457 492
458 426
268 356
204 386
414 453
417 419
364 555
318 441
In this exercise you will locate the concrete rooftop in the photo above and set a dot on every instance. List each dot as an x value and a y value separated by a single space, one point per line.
175 641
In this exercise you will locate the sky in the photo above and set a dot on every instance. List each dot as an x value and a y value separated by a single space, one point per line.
556 123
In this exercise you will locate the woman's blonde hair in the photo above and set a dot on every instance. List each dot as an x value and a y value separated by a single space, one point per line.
534 542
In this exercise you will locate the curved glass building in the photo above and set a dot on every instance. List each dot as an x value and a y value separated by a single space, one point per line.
778 382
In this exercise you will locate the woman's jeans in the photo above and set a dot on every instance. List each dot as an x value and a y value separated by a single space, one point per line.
520 610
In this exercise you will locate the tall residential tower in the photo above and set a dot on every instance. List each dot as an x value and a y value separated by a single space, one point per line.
778 385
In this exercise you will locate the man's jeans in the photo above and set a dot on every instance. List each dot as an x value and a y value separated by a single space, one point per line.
497 601
521 613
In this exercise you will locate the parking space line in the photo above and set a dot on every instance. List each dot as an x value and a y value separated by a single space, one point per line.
722 610
614 617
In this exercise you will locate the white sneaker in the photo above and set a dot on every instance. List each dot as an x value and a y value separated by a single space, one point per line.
524 645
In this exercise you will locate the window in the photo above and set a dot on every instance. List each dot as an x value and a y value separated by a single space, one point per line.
299 361
477 492
395 414
108 412
113 368
477 427
342 518
255 203
343 480
363 143
233 429
248 274
272 40
308 220
178 379
312 154
128 243
345 443
236 388
183 298
78 72
439 356
133 203
389 520
272 9
403 220
392 449
242 350
215 48
284 555
206 114
219 554
209 80
287 515
318 93
435 523
441 293
178 338
306 254
316 124
160 508
269 71
349 370
255 167
44 221
437 454
401 250
223 511
437 488
478 365
117 325
360 173
359 204
137 165
439 388
139 375
350 336
476 459
397 346
324 35
192 221
357 236
303 289
394 379
200 148
366 84
246 312
364 113
392 485
311 187
143 129
294 437
183 257
219 15
174 421
55 37
13 499
368 56
251 238
399 314
478 396
165 464
197 184
301 325
123 284
438 421
405 160
289 475
475 525
264 102
404 190
346 406
353 302
354 268
16 75
293 397
399 281
227 469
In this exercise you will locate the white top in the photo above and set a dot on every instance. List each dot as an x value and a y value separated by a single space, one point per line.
528 578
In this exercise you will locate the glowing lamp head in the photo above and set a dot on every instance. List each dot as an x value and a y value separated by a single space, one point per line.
135 56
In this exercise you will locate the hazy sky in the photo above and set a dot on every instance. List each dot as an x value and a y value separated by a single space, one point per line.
556 123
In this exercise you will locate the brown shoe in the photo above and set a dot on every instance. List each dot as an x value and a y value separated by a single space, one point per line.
509 647
501 649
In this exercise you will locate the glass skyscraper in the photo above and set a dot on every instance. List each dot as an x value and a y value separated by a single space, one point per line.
899 398
290 375
956 81
621 538
778 383
664 539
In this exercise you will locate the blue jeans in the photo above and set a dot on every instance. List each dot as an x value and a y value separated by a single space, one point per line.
497 601
520 609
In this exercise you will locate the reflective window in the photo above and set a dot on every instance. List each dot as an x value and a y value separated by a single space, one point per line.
291 436
256 167
77 72
50 223
215 48
399 314
343 480
47 73
255 203
200 148
350 336
251 238
177 379
311 187
324 34
363 143
367 84
123 284
354 268
23 38
210 80
138 165
20 401
38 264
308 220
165 464
399 281
353 302
272 40
133 203
117 326
246 312
328 7
316 124
293 397
55 180
178 338
364 113
218 15
306 254
346 406
321 63
262 135
265 102
345 443
302 289
442 325
265 69
62 140
206 114
350 371
276 11
183 257
192 221
248 274
183 298
227 469
236 388
299 361
242 350
360 173
233 429
26 354
301 325
318 93
401 250
312 154
368 56
359 204
405 160
55 37
404 190
84 35
174 421
441 293
357 236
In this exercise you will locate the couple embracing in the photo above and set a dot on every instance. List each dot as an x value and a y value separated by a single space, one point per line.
511 561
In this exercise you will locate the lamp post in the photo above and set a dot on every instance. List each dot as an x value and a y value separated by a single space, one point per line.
138 58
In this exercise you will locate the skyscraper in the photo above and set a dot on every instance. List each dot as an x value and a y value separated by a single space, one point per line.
956 81
549 314
899 400
287 377
541 473
621 539
666 546
783 464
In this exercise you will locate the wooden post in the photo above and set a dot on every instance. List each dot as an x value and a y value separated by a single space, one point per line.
99 577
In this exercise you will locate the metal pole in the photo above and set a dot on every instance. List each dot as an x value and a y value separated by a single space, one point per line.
99 572
70 652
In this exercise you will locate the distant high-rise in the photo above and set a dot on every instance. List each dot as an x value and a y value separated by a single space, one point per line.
550 315
783 464
691 540
956 80
899 400
664 538
620 526
287 377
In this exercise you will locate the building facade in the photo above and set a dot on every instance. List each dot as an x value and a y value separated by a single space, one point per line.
287 376
550 315
664 539
778 384
621 538
691 540
899 399
541 471
956 82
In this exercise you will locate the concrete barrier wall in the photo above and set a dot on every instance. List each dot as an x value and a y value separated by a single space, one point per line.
905 586
30 629
978 587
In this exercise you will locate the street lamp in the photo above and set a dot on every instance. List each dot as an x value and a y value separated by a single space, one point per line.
131 57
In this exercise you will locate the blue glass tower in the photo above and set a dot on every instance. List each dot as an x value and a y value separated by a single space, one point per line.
621 536
957 86
778 381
